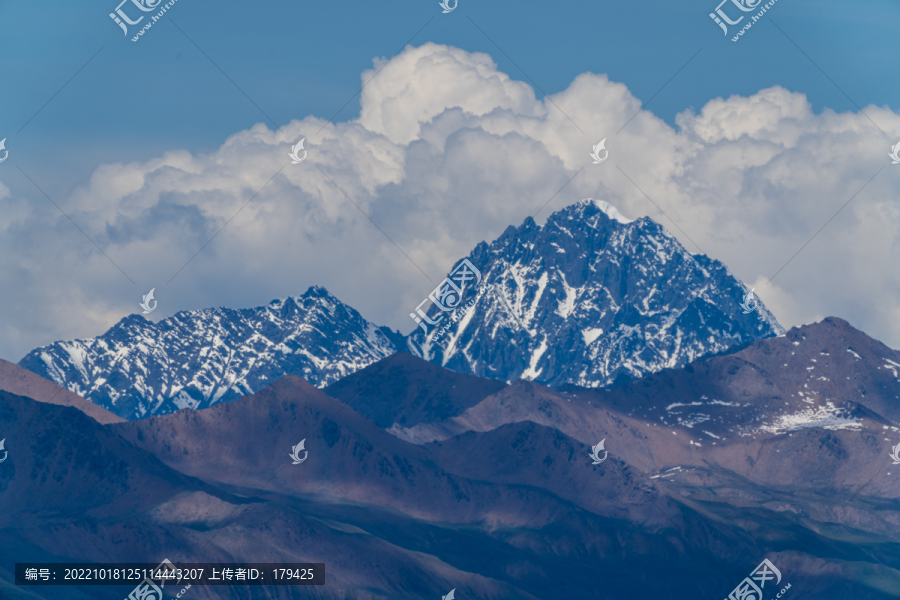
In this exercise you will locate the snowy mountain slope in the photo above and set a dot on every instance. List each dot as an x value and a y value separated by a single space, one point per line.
588 299
196 359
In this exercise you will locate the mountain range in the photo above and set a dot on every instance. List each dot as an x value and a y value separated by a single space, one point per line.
421 480
589 299
196 359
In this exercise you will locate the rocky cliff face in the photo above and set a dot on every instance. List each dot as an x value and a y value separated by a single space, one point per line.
588 299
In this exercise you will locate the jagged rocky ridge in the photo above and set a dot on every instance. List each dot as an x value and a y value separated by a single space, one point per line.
588 299
196 359
591 298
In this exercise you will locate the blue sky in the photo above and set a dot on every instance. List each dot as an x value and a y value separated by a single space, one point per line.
85 109
135 100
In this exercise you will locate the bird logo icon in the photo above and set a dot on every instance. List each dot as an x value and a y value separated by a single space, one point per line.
750 303
296 450
146 303
596 153
295 158
895 455
895 153
6 155
449 596
445 4
595 452
5 453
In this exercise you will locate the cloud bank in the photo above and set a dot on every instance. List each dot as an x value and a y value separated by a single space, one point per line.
447 152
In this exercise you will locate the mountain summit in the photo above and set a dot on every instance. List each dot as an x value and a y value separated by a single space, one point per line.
196 359
588 299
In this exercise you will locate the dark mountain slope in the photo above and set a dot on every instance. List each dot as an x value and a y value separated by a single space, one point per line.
21 382
406 390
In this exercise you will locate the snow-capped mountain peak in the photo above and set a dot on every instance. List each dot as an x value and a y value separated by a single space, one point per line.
195 359
589 298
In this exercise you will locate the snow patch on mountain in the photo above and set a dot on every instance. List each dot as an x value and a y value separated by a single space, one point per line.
610 211
828 416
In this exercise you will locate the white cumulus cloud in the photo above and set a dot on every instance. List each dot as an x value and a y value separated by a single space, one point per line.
449 151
